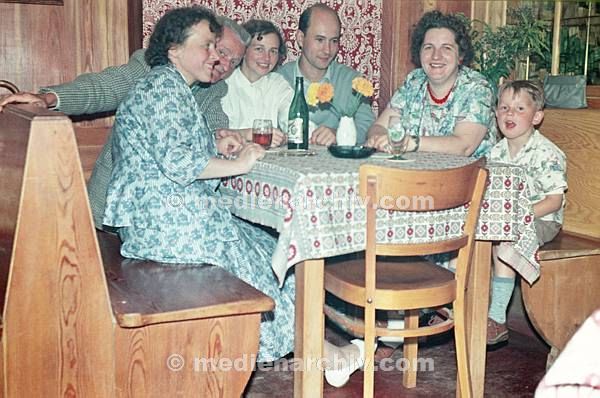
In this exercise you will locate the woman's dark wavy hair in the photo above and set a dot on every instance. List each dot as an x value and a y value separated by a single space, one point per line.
260 27
173 29
435 19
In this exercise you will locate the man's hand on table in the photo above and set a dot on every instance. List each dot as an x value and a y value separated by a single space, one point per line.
279 138
45 100
323 135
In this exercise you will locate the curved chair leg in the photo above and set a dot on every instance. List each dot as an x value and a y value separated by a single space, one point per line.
462 359
411 348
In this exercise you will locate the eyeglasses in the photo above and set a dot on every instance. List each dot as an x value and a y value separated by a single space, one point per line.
226 54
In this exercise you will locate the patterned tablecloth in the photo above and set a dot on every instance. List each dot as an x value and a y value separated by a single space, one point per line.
312 201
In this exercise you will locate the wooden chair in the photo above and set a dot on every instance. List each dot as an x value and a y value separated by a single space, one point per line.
411 283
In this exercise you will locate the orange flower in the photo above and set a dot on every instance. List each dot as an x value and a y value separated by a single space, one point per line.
311 94
363 86
319 94
325 92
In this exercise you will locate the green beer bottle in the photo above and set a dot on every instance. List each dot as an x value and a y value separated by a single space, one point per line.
298 118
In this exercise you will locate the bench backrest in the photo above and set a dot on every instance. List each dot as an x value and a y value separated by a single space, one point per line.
577 133
56 289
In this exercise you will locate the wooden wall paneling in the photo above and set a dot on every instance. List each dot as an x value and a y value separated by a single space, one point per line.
135 18
399 18
53 2
576 132
454 6
44 45
490 12
31 39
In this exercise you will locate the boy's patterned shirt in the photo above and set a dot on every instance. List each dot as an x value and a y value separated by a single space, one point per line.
545 165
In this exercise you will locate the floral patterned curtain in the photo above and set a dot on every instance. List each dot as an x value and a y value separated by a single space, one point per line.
361 25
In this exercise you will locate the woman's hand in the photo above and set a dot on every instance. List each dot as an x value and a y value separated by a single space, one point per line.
279 138
228 145
379 141
222 133
249 155
377 136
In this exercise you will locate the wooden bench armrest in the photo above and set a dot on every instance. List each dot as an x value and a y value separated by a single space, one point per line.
147 292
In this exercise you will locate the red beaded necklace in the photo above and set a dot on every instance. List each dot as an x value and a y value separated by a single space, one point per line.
437 100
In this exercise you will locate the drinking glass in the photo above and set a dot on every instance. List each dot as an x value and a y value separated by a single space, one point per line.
262 132
397 137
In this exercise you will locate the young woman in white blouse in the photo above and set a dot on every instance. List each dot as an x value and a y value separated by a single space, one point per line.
254 90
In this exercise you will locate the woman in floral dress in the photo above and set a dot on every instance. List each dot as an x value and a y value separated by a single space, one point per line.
163 192
446 106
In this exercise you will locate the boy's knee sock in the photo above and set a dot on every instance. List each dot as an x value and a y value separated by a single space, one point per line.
502 290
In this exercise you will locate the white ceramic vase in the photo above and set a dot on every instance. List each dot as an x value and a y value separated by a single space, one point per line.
346 132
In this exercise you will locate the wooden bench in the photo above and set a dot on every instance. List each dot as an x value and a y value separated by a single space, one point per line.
567 291
78 319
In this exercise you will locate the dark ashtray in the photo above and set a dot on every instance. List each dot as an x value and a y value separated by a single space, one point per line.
351 152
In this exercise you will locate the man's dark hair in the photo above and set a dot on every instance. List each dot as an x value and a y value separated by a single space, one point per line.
433 20
257 28
173 28
304 21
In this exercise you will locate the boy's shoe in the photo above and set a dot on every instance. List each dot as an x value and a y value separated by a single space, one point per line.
436 317
496 332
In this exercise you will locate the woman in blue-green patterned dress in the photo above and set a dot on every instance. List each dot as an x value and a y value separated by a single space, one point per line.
446 106
163 193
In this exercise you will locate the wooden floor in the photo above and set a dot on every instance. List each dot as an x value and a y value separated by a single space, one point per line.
512 371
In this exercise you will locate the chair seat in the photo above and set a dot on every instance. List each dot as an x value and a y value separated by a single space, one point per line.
402 283
567 245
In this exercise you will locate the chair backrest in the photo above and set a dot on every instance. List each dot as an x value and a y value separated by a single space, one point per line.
422 190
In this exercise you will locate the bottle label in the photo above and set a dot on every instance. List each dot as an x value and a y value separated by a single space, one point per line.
295 131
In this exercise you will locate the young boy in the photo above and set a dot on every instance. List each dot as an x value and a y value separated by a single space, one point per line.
520 109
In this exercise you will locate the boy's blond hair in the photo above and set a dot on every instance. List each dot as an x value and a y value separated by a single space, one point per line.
535 91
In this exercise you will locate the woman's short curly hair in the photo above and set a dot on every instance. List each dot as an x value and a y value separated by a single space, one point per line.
260 27
173 29
436 19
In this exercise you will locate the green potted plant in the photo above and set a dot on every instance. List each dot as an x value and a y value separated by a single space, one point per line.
497 51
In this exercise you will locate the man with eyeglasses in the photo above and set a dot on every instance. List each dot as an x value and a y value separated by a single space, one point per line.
103 92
